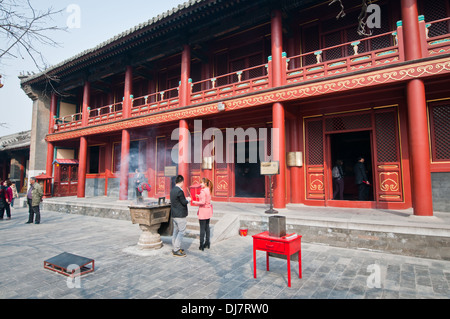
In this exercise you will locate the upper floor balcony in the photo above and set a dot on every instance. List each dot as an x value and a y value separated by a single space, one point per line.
364 54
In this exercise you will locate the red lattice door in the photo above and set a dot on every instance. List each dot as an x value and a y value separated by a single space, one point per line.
387 157
221 171
163 158
314 157
66 180
195 166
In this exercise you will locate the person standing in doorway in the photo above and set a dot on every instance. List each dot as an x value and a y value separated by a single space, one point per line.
179 212
361 179
204 211
338 180
34 198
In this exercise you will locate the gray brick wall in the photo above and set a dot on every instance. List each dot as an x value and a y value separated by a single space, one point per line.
441 191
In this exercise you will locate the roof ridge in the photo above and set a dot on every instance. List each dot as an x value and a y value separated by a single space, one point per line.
136 28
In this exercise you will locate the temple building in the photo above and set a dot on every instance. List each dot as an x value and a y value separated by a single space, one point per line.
321 89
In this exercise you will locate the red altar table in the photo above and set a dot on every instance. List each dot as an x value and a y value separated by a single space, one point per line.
286 245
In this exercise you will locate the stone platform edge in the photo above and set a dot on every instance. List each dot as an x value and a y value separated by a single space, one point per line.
429 242
425 241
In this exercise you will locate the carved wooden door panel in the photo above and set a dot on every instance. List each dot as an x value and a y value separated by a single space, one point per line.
221 172
73 179
314 158
161 181
387 156
66 180
195 166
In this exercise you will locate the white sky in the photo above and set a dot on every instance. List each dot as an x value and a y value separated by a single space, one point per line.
100 21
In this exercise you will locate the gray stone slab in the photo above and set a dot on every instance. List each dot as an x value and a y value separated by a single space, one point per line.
223 271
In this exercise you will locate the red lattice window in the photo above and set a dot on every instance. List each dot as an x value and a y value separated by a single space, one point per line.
311 44
386 135
436 10
73 173
440 131
348 122
331 40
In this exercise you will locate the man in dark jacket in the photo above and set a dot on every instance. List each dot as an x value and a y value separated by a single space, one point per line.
179 212
361 179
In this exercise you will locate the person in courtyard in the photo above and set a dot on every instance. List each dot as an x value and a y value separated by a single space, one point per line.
5 199
15 194
34 198
179 212
205 211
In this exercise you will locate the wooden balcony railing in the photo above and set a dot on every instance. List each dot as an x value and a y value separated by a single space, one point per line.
235 83
159 101
68 122
438 36
108 113
356 56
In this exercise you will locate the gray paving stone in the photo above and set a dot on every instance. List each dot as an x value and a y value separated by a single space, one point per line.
224 271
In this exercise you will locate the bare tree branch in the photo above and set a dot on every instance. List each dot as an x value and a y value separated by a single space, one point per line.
362 18
24 30
341 14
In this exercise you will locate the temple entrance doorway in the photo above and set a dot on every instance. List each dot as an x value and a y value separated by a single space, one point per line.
348 147
248 180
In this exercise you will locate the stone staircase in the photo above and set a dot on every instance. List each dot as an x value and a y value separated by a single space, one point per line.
222 226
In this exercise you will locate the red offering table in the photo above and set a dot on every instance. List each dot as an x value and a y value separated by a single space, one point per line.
286 245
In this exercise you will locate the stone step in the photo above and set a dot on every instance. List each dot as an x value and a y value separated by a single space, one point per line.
193 226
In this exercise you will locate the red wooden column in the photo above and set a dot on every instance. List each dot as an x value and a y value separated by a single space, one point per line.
279 154
419 145
185 90
411 31
86 103
81 187
128 89
124 165
151 164
277 48
50 145
53 104
108 163
184 145
49 164
183 153
279 140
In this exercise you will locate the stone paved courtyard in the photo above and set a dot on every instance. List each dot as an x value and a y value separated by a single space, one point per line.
223 272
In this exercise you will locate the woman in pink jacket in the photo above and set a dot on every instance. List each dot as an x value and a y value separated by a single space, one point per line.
204 211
